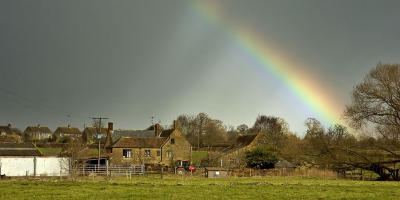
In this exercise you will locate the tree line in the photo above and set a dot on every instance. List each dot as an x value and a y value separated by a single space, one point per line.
372 143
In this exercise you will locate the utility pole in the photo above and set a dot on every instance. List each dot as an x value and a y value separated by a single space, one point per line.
99 136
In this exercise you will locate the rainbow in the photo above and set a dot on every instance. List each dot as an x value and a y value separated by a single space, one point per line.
298 82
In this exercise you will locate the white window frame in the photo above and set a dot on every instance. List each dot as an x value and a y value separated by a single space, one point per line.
127 153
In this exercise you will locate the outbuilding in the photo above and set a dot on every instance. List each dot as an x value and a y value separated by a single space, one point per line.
285 166
215 172
24 159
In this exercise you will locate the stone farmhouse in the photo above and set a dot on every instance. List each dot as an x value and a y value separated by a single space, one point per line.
150 147
38 132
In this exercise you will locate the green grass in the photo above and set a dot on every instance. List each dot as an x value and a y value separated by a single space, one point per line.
50 151
174 187
197 156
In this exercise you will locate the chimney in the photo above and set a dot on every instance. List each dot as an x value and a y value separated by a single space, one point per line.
110 126
175 124
157 130
110 131
9 125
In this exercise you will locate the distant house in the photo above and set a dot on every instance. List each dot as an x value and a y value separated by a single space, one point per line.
72 132
6 130
38 132
149 147
89 134
9 134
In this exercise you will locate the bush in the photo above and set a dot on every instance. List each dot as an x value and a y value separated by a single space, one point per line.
261 157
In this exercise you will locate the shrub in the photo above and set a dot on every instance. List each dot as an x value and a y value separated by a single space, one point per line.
262 157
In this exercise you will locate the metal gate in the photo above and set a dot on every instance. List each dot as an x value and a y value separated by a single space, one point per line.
111 170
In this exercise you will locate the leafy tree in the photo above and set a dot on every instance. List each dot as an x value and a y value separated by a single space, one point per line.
261 157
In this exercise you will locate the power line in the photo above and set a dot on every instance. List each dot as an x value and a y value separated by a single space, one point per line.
99 136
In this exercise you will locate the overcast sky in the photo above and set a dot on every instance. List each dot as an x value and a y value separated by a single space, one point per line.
62 62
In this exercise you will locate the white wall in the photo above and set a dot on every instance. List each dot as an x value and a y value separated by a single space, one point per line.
45 166
14 166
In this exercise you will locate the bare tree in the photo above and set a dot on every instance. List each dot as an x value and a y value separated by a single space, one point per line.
376 101
242 128
375 104
274 130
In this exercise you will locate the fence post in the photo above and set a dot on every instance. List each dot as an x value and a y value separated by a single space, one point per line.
107 167
34 166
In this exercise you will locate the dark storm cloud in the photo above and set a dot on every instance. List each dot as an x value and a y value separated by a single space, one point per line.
130 60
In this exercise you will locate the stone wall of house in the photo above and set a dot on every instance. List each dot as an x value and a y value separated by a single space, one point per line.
138 156
178 150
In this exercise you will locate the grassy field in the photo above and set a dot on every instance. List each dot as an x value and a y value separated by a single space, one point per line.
197 156
50 151
174 187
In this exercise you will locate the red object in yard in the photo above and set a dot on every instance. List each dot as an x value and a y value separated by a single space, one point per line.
184 165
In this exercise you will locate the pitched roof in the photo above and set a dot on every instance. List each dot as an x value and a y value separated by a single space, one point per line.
284 164
136 142
132 133
6 129
68 130
94 130
18 149
245 140
166 133
241 141
37 129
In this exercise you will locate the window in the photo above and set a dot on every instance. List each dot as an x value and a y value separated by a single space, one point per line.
158 153
126 153
172 141
168 154
147 153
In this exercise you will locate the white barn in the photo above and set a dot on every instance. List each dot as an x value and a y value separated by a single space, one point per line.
25 159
